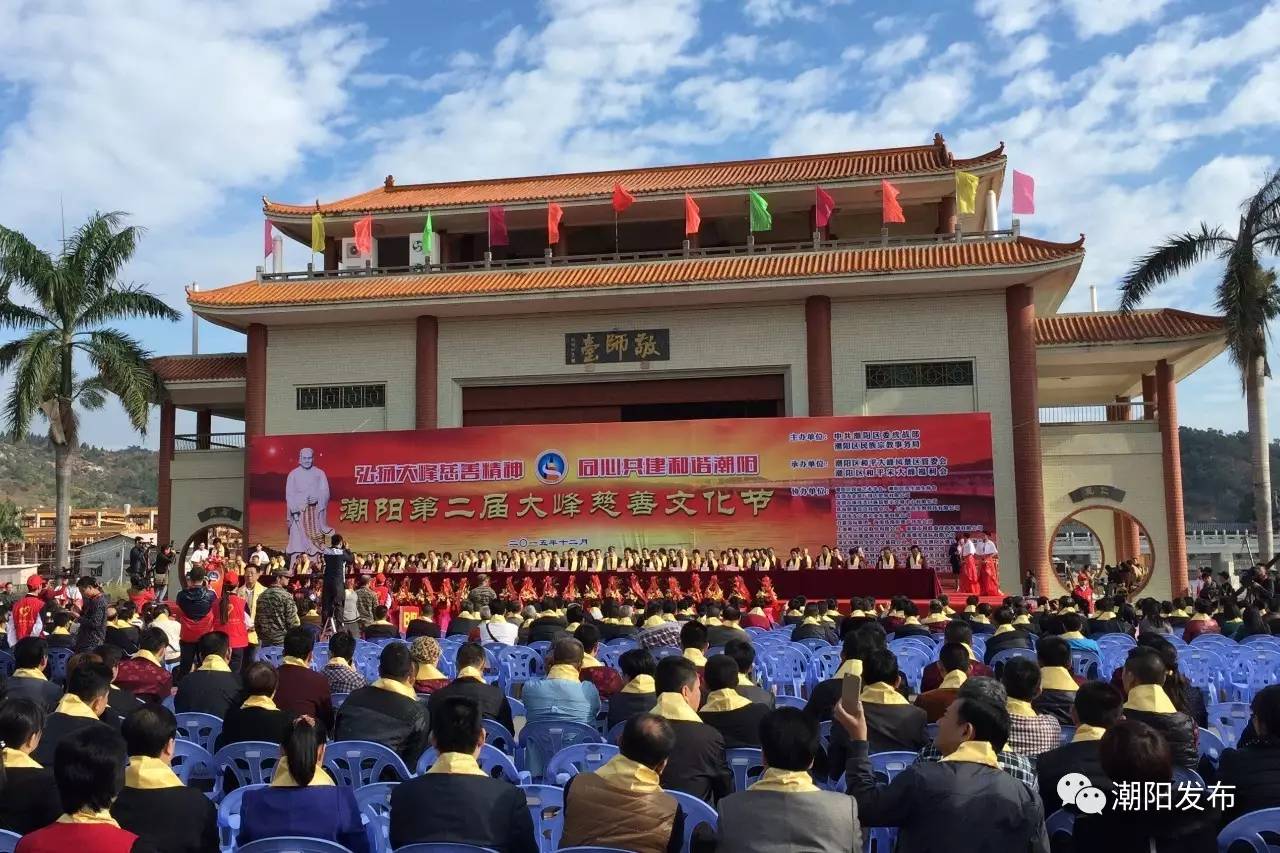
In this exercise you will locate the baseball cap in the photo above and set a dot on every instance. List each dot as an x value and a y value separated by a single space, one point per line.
35 582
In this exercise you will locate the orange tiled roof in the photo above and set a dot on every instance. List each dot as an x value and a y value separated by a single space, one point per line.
1113 327
1024 251
199 368
815 168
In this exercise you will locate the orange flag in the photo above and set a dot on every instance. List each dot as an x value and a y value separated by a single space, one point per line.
554 214
621 198
692 216
364 235
890 210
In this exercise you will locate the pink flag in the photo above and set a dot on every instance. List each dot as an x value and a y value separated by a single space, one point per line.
364 235
890 209
1024 193
266 238
823 206
497 225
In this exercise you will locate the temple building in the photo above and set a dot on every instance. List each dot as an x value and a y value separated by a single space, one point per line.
947 312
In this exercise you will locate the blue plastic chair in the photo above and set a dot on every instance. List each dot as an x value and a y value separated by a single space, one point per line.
696 813
592 850
362 762
320 655
541 739
1186 777
1061 822
1068 732
337 699
492 761
746 764
250 762
443 847
911 664
1009 654
823 665
609 656
1210 745
1086 664
375 810
58 664
785 670
887 765
192 761
789 702
578 758
1122 640
542 647
814 643
8 664
1261 640
517 707
292 844
273 655
615 733
1248 829
200 729
546 807
518 664
496 734
229 816
9 840
1211 641
660 652
1229 720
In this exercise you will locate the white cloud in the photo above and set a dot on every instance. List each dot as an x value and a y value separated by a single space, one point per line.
1256 102
897 53
1010 17
1026 54
765 12
1107 17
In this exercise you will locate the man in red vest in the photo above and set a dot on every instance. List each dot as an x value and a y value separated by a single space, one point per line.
24 618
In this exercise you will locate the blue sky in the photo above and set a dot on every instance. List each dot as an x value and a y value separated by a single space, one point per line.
1137 118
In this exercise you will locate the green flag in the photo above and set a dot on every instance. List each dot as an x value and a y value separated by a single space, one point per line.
428 235
761 218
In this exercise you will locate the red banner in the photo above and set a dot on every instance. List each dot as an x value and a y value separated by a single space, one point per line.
747 483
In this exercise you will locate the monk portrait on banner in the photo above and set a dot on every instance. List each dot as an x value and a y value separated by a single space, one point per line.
306 494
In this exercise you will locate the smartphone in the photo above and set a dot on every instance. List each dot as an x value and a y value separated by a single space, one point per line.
851 692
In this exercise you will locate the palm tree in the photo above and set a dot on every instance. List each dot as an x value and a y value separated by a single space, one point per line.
10 527
70 299
1248 298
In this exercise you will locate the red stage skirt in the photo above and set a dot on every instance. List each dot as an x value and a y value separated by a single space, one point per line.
989 575
969 584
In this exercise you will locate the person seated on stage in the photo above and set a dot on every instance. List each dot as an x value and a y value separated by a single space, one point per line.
937 620
887 559
29 680
728 629
423 625
562 695
341 673
812 626
1105 620
88 689
955 659
299 688
795 611
757 616
855 646
549 625
1058 685
1144 677
1030 733
28 795
965 796
470 684
697 765
155 804
894 724
455 801
784 810
606 679
744 655
1097 707
726 710
1006 634
960 632
622 805
637 694
911 626
425 653
380 628
693 642
302 799
257 717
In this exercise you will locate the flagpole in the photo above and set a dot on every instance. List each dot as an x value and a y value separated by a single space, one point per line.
615 230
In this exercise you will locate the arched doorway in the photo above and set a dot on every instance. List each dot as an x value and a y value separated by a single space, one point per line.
231 537
1111 544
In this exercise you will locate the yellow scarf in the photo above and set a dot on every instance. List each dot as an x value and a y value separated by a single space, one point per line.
120 623
975 752
1086 732
809 620
282 778
795 613
397 687
458 763
1149 697
1019 708
335 661
1104 616
89 816
953 679
673 707
1022 619
756 611
968 648
499 620
934 618
60 632
73 706
148 656
712 620
471 672
1200 617
743 681
265 703
1179 613
1057 678
622 772
214 663
654 621
726 699
590 661
289 660
1002 629
912 620
1071 635
852 666
696 657
880 693
15 759
971 608
980 619
784 781
563 672
428 672
146 773
857 614
29 672
640 684
465 614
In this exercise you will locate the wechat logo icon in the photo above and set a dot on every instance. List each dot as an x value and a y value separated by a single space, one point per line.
1075 789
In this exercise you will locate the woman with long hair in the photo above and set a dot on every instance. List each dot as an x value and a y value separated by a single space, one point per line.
1252 624
230 618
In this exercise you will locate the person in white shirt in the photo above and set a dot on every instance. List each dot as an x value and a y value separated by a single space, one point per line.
496 628
260 554
199 553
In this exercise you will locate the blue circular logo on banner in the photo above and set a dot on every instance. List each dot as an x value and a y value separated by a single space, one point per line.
551 467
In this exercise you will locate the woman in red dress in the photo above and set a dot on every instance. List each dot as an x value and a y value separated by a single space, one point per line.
988 565
969 584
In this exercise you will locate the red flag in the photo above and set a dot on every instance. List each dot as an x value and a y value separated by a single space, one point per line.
266 238
364 235
823 206
1024 193
621 198
554 214
497 225
692 216
890 210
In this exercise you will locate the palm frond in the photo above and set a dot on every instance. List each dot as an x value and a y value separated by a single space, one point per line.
1263 207
123 368
34 382
15 316
21 261
128 302
91 394
1177 254
112 253
1245 297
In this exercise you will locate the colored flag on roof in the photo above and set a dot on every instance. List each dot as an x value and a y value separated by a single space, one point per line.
1024 193
761 218
317 233
497 225
554 214
266 238
966 192
823 207
890 209
621 198
364 235
428 235
692 215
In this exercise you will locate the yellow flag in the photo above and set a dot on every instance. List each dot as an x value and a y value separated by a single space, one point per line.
966 192
317 233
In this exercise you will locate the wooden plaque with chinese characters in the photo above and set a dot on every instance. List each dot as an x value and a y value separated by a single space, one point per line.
617 347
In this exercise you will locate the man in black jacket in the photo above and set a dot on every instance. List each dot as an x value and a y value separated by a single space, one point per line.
893 723
120 701
811 626
29 679
154 804
470 684
1105 621
83 705
549 625
1057 682
213 688
744 654
1143 678
455 801
728 630
1097 707
1006 634
93 615
388 711
726 710
697 765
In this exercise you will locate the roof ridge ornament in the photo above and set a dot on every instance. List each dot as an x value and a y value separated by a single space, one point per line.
389 183
940 142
